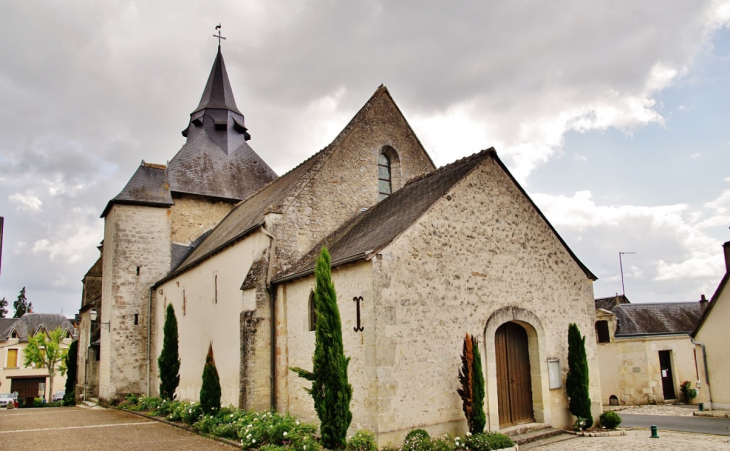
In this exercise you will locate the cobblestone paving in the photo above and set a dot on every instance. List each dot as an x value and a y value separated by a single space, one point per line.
640 440
666 410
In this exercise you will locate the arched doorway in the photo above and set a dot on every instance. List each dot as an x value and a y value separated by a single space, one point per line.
514 384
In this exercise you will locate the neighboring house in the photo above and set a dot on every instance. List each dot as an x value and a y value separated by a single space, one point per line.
645 351
712 336
15 376
420 257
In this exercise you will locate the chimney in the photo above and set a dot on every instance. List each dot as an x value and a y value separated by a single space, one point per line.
726 248
703 302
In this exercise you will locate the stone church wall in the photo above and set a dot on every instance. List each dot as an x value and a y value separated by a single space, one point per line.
295 344
481 249
348 181
191 216
136 254
208 304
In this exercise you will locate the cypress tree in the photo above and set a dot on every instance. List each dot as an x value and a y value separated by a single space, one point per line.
472 388
169 361
466 376
210 391
71 367
577 380
330 390
479 418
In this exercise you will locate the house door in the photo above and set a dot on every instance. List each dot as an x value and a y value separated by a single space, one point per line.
514 386
665 363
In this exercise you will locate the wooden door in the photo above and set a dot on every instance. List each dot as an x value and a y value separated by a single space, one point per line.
27 387
514 385
665 364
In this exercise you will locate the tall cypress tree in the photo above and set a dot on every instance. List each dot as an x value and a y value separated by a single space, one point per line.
210 391
71 368
577 380
169 361
479 418
330 388
21 305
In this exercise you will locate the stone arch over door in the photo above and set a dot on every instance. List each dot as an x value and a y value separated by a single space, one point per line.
538 363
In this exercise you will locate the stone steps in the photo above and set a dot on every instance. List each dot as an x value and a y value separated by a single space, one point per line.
532 432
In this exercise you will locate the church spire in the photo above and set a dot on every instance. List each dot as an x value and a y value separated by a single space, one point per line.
218 93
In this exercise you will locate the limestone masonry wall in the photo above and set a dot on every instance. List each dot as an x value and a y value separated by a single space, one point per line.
136 254
191 216
480 249
348 181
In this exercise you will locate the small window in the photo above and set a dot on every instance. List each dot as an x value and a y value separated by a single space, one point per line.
14 335
385 187
602 332
312 313
136 319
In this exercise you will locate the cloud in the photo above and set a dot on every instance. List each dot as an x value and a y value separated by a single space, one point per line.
70 244
695 156
28 202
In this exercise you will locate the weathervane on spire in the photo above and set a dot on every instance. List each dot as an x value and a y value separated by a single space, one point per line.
218 27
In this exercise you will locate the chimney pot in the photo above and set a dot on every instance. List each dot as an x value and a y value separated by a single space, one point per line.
726 248
703 302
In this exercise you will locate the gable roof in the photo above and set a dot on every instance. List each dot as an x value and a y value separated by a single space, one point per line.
657 319
373 229
712 302
30 323
5 324
612 301
248 215
365 234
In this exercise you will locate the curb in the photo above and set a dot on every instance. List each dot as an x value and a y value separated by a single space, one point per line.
182 426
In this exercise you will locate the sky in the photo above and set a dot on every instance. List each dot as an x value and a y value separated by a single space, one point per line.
614 116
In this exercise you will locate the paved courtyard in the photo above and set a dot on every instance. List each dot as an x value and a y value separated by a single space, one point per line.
640 440
74 428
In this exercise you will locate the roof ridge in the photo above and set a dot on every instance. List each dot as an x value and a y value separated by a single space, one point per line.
461 160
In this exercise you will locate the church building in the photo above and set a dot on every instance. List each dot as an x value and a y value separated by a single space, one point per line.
420 257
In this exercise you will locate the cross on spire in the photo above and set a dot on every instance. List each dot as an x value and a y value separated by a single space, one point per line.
218 27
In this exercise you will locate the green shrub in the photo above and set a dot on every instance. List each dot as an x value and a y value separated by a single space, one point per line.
688 393
363 440
38 402
580 424
69 399
272 428
417 440
486 441
610 419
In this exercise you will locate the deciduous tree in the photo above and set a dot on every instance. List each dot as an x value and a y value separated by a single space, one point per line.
330 389
44 350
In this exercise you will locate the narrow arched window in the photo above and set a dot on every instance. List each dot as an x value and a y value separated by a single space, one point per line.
384 180
602 332
312 313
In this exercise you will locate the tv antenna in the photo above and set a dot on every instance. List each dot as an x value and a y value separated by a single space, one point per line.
621 266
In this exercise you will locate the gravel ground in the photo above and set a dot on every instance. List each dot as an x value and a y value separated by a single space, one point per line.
664 410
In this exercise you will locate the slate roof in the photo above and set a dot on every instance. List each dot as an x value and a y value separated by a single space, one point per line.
5 324
29 323
216 161
657 319
375 228
249 214
610 302
96 269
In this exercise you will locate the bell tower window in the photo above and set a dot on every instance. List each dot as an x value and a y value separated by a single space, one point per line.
385 187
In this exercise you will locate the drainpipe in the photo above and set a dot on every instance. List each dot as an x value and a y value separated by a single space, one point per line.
707 371
272 306
149 339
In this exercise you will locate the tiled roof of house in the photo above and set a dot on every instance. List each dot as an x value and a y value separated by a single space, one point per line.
657 319
28 324
5 324
612 301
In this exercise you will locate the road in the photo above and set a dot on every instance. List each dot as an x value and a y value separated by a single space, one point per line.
74 428
702 425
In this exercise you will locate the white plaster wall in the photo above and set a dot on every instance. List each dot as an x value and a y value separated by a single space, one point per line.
715 335
203 320
350 281
483 250
7 373
630 368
